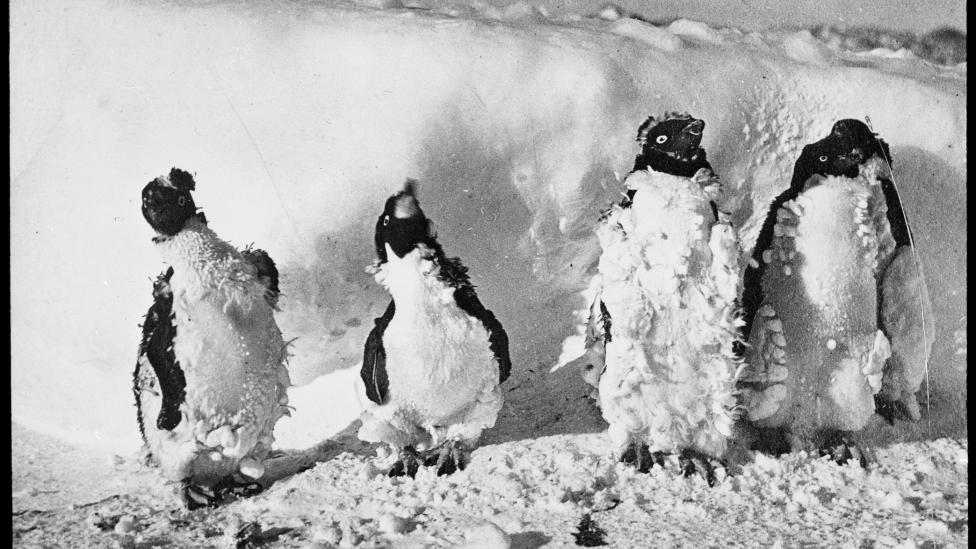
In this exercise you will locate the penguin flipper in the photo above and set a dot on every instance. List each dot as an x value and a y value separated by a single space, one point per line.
468 301
267 272
906 317
896 215
373 372
158 333
752 294
763 372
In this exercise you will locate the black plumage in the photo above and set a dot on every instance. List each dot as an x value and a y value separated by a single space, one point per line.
158 332
671 145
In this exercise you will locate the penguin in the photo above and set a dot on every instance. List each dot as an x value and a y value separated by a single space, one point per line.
905 311
434 361
668 144
665 315
825 300
210 380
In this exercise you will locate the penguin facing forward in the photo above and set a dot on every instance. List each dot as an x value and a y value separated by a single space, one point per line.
434 361
665 315
669 144
210 380
825 295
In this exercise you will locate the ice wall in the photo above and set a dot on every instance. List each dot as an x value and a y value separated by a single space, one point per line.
298 119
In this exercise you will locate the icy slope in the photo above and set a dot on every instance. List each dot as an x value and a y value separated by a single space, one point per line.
298 119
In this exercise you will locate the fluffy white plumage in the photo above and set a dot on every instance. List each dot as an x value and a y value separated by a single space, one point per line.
669 279
443 377
817 355
233 359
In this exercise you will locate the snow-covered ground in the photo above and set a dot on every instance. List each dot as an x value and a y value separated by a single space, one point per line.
298 120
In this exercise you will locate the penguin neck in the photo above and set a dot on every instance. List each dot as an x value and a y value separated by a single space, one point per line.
654 181
875 169
669 164
196 248
412 279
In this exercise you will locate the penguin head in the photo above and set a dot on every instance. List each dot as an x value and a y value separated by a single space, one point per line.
861 143
849 145
671 145
825 157
403 224
167 203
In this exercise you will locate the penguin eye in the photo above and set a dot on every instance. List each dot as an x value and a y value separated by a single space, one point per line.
823 158
661 139
386 220
181 201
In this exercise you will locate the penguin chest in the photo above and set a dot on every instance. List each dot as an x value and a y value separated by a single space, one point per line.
231 353
437 357
669 286
819 338
656 265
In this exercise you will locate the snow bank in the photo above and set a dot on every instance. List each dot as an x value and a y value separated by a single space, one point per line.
298 119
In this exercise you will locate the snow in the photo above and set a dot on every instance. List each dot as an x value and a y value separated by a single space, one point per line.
299 119
534 493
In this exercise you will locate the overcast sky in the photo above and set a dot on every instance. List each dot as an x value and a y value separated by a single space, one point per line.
914 15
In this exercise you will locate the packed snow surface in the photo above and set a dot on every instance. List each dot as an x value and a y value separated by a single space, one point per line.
298 119
536 493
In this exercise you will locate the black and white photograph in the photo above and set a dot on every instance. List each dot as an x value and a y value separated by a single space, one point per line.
488 274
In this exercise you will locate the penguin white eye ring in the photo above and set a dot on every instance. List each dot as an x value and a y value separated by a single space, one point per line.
823 158
386 220
181 201
661 139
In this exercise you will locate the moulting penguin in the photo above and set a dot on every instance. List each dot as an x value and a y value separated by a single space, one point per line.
835 304
210 381
665 315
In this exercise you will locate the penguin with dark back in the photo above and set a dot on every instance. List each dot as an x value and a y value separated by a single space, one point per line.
210 380
434 360
853 154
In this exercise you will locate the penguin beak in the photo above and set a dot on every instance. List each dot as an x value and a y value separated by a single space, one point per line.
695 127
406 206
856 155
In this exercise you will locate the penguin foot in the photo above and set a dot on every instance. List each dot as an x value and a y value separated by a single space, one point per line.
640 456
231 487
448 458
840 448
692 462
407 464
195 496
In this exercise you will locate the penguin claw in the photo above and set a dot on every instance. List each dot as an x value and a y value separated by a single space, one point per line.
841 450
230 487
640 456
196 497
447 458
407 464
692 462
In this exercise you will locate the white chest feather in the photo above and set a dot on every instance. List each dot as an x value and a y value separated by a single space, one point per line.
227 342
665 276
670 277
438 358
817 354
